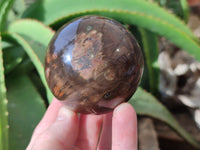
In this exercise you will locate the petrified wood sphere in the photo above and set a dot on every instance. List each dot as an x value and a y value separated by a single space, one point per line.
93 64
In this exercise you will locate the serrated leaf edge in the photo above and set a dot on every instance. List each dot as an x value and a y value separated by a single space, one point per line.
3 107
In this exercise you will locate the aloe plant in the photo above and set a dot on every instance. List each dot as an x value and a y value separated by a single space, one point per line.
3 107
26 34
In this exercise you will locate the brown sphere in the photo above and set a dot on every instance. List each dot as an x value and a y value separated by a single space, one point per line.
93 64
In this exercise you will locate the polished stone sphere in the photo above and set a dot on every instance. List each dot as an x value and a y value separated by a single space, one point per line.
93 64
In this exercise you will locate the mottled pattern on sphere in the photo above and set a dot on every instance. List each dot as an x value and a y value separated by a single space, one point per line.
93 64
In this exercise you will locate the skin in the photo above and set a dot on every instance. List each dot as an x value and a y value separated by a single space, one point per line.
63 129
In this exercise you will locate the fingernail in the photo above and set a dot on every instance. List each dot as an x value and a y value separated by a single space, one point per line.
120 107
64 113
124 107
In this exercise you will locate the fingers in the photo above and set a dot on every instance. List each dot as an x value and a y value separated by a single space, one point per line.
60 128
60 135
89 129
106 133
124 128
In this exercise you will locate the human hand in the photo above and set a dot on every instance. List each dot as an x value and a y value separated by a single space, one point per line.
63 129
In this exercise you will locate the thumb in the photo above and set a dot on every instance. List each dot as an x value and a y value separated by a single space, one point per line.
61 135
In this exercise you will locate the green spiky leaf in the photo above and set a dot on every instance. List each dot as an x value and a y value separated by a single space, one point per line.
34 44
5 7
26 108
138 12
3 107
146 104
